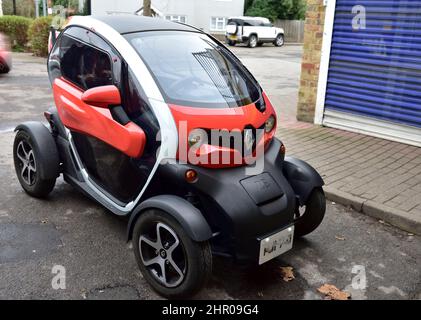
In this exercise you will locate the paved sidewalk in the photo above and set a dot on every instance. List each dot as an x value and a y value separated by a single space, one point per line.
374 176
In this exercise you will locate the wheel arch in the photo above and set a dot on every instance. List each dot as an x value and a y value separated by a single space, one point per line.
253 33
302 177
188 216
50 168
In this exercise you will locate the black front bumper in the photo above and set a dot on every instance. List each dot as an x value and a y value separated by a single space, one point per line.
240 209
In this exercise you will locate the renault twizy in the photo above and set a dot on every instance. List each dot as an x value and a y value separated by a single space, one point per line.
138 101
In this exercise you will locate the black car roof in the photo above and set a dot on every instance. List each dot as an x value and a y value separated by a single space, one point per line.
129 23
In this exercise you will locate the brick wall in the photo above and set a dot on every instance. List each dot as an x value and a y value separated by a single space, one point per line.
313 37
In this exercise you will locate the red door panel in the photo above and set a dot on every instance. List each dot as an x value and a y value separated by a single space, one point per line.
96 122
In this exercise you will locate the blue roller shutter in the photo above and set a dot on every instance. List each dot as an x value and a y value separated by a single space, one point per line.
375 72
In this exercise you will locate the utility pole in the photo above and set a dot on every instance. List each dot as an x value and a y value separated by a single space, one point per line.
36 8
44 8
147 8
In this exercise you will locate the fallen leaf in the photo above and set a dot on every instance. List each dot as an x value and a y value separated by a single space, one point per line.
381 221
331 292
340 238
287 273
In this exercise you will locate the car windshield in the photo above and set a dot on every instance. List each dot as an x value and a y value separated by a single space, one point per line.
193 70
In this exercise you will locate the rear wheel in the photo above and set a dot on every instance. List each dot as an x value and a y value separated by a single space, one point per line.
252 43
28 165
172 263
310 216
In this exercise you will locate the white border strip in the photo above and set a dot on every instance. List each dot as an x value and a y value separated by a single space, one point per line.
324 62
373 127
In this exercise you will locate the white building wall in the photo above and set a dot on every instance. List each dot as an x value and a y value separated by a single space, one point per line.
104 7
197 12
205 10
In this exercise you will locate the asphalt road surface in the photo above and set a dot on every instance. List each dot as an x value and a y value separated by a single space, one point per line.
358 254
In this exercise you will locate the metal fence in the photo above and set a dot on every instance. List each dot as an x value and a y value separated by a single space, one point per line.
294 30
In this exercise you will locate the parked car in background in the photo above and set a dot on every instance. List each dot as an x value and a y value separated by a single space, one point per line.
5 55
253 31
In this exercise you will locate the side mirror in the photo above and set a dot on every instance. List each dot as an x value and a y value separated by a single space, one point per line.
102 97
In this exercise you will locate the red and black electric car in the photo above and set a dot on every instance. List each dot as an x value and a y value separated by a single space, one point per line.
136 100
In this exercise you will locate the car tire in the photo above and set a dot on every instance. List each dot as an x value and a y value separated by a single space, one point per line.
231 43
279 41
172 249
313 214
28 165
253 41
4 69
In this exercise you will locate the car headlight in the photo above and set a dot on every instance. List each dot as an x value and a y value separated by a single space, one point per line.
197 137
270 124
249 141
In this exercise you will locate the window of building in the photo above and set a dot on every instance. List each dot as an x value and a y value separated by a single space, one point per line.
218 24
176 18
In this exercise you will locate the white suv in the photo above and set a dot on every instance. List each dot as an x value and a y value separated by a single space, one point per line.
253 31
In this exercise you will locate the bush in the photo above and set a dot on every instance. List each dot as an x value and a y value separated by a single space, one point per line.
277 9
38 35
17 29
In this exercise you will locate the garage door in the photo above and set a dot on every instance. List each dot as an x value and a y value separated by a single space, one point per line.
374 79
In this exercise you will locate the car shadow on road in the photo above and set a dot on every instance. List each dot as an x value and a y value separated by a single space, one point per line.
233 281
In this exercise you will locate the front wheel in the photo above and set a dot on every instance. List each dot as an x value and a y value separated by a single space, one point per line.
279 41
172 263
231 43
310 216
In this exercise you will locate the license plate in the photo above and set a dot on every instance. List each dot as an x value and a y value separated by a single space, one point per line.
232 37
276 244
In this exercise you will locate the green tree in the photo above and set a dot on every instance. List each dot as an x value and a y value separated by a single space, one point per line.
247 4
86 8
278 9
23 7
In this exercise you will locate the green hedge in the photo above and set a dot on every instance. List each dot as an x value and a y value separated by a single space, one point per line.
16 28
38 35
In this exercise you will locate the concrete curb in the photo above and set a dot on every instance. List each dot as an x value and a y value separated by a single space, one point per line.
395 217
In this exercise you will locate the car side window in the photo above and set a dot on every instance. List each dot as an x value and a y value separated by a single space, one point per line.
135 104
85 66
